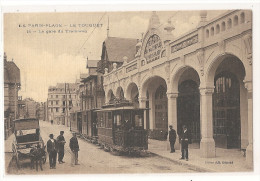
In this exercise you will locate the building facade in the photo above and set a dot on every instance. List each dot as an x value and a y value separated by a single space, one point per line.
202 79
30 108
11 87
61 99
92 94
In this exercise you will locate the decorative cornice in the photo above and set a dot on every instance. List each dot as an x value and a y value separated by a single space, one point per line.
206 90
172 95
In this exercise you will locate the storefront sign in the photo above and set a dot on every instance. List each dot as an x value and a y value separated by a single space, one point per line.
184 44
130 68
153 48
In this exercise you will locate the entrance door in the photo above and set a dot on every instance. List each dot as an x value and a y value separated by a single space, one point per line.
161 109
226 111
188 110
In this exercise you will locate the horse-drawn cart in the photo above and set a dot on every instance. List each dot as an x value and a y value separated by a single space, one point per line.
27 137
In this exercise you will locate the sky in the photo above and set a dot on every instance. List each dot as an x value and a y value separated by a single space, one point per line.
46 59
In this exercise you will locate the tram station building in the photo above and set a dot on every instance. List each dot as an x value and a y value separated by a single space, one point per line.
202 79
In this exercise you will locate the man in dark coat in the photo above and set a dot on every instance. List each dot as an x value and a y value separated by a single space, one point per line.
60 145
172 138
185 138
38 153
74 146
52 151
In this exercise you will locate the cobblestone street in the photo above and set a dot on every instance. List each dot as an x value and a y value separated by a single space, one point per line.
93 159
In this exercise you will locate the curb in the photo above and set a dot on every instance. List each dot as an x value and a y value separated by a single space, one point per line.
191 166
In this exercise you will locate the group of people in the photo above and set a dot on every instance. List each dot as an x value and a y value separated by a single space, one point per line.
56 146
185 139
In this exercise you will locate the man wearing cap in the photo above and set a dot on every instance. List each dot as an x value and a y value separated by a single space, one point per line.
60 145
52 151
185 138
172 138
74 146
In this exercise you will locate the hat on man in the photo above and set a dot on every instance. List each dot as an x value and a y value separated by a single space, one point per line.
170 126
61 132
51 135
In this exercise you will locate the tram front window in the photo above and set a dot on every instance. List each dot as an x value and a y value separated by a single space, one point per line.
117 121
138 122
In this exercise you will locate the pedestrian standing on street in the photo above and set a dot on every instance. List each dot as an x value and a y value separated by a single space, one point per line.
39 153
172 138
74 146
185 137
52 151
60 143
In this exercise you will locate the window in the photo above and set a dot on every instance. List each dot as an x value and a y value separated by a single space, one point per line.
51 109
212 31
138 121
57 109
64 103
63 110
57 96
70 96
217 29
57 102
207 33
235 20
242 18
223 26
90 87
64 96
51 96
229 23
52 103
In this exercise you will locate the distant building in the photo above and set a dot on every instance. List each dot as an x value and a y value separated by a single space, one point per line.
31 108
11 87
61 99
21 107
91 89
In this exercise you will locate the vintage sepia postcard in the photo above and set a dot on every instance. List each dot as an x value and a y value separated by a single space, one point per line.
128 92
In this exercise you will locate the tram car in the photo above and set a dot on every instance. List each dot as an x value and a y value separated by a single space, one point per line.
121 128
84 123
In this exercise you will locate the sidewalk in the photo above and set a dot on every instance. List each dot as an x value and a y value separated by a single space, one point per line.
226 160
8 150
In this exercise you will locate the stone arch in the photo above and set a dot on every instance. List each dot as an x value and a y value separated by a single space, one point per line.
174 81
120 93
226 74
145 82
109 95
132 86
214 64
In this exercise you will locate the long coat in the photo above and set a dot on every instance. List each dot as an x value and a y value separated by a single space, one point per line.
172 135
60 143
185 138
51 146
74 145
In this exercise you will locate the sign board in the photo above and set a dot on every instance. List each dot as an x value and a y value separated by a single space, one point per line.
153 48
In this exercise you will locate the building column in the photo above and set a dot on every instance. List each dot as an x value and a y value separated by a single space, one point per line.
207 143
152 110
249 149
142 104
172 117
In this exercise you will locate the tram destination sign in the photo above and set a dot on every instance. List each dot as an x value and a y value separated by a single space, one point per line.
184 44
153 48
